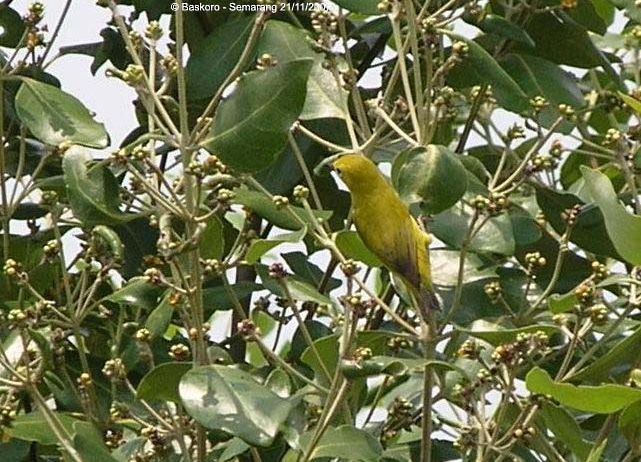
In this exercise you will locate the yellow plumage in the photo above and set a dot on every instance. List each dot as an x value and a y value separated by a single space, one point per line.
386 227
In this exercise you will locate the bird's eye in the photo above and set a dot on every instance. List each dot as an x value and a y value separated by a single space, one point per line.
338 170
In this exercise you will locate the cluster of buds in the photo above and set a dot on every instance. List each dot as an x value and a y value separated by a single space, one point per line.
7 415
280 201
515 132
133 75
13 270
542 162
114 369
535 260
113 437
361 354
572 215
313 412
324 22
265 61
585 293
213 266
569 4
224 196
51 250
169 64
248 330
196 169
538 103
155 436
493 290
599 271
400 414
20 318
488 96
119 411
359 307
567 111
35 33
349 268
179 352
212 164
469 349
468 438
154 276
48 199
493 205
613 137
397 344
525 433
633 36
277 271
349 78
598 314
556 150
153 31
526 346
301 192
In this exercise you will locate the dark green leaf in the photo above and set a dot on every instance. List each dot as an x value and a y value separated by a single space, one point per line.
344 442
34 427
494 24
212 240
216 56
539 77
602 399
15 450
564 426
630 424
325 98
161 383
228 399
589 232
93 190
617 359
159 319
251 125
54 116
496 335
265 208
433 175
216 298
623 228
260 247
88 441
137 292
12 27
480 67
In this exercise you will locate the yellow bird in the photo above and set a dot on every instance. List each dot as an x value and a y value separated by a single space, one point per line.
386 227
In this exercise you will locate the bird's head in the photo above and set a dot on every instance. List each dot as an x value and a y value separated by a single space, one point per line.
356 171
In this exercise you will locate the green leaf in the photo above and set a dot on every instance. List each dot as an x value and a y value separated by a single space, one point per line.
478 67
494 24
34 427
228 399
89 443
161 383
137 292
496 335
351 246
391 366
217 299
630 424
589 232
93 191
495 236
261 205
212 240
634 103
12 27
344 442
602 399
623 228
260 247
251 125
303 291
327 359
159 319
54 116
213 60
433 175
560 422
539 77
15 450
367 7
562 303
325 98
617 359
